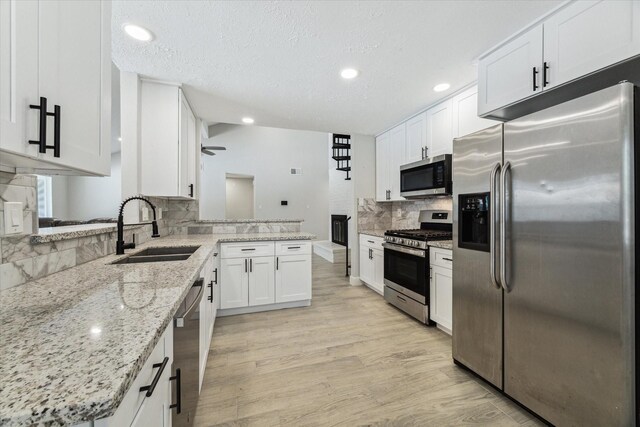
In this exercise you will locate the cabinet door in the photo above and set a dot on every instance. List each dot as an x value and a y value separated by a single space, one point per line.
18 76
378 269
366 265
441 296
396 155
234 290
262 281
293 278
586 36
464 112
507 74
187 149
439 135
382 167
74 72
416 138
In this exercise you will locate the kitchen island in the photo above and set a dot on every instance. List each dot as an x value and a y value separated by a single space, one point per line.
73 342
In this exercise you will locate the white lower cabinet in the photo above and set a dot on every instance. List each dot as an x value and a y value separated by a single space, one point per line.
441 288
293 278
137 409
256 274
372 262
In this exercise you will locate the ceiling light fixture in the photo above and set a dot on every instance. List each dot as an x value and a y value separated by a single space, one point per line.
349 73
441 87
137 32
247 120
120 139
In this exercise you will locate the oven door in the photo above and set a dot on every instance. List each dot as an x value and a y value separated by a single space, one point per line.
405 271
426 177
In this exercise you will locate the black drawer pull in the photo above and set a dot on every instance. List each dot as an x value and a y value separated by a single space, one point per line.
151 387
210 297
293 247
447 259
178 404
371 241
250 249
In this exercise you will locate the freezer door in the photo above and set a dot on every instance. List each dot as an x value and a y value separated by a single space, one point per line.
477 301
568 319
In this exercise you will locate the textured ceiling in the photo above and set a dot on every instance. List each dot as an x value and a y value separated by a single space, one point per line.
280 62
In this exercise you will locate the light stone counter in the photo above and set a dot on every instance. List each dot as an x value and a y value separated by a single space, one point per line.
442 244
376 233
74 341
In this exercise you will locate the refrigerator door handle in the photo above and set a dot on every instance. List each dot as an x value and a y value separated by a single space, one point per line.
492 224
503 220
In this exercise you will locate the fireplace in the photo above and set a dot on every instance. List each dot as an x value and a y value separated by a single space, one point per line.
339 230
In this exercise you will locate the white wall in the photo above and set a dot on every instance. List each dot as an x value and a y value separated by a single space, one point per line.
268 154
87 197
239 197
363 169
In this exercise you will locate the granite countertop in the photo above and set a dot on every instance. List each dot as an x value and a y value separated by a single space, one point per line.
442 244
245 221
376 233
54 234
74 341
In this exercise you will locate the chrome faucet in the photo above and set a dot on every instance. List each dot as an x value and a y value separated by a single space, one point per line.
120 244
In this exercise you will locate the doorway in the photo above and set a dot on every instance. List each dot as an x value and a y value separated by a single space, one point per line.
239 197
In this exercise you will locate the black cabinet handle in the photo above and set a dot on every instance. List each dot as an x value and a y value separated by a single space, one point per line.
178 404
277 262
544 74
215 280
245 265
151 387
447 259
293 247
250 249
210 297
190 190
251 266
42 142
535 79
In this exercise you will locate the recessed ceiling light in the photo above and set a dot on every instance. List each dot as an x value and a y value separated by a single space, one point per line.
349 73
247 120
120 138
441 87
137 32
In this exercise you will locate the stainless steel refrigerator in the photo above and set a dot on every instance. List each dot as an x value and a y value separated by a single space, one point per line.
544 277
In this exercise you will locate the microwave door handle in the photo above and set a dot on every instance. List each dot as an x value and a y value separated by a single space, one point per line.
492 224
503 227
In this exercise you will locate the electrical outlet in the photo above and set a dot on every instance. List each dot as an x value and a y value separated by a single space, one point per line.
13 220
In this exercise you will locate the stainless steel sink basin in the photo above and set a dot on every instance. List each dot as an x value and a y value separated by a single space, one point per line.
164 254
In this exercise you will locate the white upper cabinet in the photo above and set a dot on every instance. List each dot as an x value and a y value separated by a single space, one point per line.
439 135
396 154
416 138
577 39
58 52
464 113
590 35
511 73
383 164
168 142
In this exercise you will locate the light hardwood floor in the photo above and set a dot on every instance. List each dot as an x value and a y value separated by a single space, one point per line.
349 359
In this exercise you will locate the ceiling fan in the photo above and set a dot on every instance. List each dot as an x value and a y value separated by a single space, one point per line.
207 149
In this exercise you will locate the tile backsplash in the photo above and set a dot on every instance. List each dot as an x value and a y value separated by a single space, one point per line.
380 216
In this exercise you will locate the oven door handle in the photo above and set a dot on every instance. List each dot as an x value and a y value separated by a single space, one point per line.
415 252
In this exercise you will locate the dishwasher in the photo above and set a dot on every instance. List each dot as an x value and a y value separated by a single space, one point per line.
186 350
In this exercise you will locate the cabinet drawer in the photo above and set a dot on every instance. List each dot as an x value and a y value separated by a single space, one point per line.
441 257
247 249
372 242
293 247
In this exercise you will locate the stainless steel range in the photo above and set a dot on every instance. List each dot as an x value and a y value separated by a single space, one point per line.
406 262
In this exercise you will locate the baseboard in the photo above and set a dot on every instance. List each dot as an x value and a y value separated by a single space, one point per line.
355 281
266 307
443 329
373 288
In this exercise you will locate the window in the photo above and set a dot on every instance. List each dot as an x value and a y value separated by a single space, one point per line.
45 205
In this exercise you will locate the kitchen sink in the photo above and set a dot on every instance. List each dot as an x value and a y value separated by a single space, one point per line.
163 254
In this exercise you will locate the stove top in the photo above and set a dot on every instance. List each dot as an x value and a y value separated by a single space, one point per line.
420 234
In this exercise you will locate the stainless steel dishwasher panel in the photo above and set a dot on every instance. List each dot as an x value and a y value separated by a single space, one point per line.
186 350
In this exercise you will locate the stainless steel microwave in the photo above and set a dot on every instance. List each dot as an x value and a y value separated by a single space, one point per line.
427 177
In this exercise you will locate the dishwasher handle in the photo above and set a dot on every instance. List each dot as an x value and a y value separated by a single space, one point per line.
179 320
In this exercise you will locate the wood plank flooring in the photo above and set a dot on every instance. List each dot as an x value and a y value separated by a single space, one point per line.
350 359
